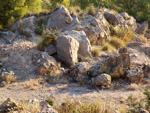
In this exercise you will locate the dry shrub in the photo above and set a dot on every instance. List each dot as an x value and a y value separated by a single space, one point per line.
107 47
32 84
85 107
133 86
8 77
144 39
31 108
96 51
117 43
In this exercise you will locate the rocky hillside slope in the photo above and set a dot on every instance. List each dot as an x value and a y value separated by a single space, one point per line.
69 57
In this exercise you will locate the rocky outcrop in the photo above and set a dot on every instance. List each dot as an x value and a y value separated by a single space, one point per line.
142 28
101 80
26 26
59 18
115 65
7 37
94 30
10 106
76 46
111 17
129 20
44 64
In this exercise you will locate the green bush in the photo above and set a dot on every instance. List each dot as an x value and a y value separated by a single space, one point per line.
91 10
50 101
47 39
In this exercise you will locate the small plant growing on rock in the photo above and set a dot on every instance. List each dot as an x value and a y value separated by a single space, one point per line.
50 101
47 39
40 26
117 43
91 10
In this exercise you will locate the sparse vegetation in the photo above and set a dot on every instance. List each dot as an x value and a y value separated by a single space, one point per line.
117 43
96 51
47 38
85 107
91 10
40 26
8 77
50 101
147 93
107 47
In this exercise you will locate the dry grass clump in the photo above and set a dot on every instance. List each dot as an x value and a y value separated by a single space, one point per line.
96 51
31 108
47 39
32 84
133 86
144 40
107 47
117 42
8 77
82 107
1 27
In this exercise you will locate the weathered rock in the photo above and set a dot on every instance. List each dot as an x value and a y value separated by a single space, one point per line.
84 50
134 44
111 17
44 63
131 22
46 108
102 21
135 75
117 64
59 18
67 49
101 80
26 26
125 15
147 34
142 28
8 36
120 19
82 67
81 78
10 106
51 49
146 71
93 30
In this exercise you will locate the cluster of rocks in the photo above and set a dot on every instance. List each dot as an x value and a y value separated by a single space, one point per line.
75 42
30 106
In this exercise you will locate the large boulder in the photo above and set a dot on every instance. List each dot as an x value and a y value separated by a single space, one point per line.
26 26
44 63
94 31
67 49
101 80
11 106
7 37
59 18
146 71
84 44
130 21
76 46
111 17
135 74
